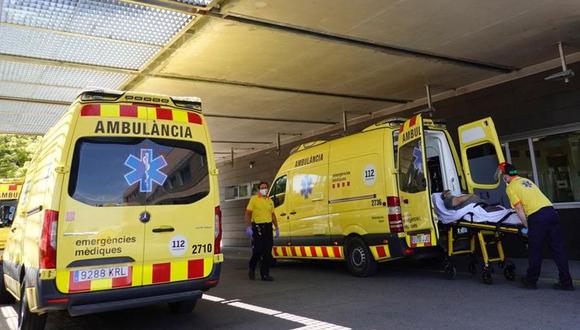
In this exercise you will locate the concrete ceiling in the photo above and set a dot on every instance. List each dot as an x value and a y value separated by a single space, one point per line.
299 60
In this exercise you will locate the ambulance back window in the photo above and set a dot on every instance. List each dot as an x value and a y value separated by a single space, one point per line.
120 171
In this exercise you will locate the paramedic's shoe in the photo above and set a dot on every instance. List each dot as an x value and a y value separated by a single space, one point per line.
527 284
267 278
566 287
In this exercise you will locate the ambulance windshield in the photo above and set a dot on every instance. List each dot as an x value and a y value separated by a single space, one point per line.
119 171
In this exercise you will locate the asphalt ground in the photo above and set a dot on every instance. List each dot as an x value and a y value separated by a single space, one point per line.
323 295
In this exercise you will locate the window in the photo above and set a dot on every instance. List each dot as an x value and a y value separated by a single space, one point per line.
558 162
483 163
7 212
411 173
241 191
552 161
278 191
520 158
118 171
395 145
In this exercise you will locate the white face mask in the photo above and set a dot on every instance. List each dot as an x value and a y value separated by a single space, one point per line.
263 192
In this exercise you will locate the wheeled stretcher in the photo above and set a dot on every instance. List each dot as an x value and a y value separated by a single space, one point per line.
472 233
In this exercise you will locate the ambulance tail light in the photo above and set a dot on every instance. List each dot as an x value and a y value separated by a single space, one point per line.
48 240
217 246
395 218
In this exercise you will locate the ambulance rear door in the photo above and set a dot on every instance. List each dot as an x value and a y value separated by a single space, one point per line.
100 231
179 234
414 192
480 155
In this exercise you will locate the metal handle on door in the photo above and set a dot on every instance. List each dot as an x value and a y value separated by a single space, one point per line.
165 229
293 212
282 214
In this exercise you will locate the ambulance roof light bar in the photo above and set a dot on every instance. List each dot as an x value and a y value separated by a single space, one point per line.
307 145
100 95
188 102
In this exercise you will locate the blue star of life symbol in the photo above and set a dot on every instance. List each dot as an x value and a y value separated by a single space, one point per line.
306 186
145 170
527 184
418 159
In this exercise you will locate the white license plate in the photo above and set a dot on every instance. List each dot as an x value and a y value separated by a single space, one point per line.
100 273
421 238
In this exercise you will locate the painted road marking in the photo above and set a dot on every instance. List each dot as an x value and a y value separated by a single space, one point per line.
10 316
308 323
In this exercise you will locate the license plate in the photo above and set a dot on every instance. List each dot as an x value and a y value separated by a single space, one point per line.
100 273
421 238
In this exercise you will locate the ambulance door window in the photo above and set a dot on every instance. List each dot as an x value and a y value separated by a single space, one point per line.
395 146
483 163
278 191
411 168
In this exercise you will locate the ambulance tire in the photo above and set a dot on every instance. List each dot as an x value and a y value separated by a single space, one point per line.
182 307
26 319
5 296
509 271
359 259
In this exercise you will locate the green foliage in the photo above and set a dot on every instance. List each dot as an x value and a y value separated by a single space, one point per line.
15 153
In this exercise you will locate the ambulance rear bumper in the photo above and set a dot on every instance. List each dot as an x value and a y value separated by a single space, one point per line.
50 299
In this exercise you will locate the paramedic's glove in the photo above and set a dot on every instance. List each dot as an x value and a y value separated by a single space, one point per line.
249 231
525 231
277 232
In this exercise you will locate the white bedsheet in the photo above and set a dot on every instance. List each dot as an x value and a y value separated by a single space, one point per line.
479 213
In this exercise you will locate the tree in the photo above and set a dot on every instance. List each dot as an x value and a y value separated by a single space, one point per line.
15 153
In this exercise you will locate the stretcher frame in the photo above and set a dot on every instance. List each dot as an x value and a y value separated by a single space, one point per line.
484 236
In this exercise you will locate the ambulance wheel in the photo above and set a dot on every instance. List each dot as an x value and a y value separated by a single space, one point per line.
182 307
486 276
26 319
359 260
510 272
5 296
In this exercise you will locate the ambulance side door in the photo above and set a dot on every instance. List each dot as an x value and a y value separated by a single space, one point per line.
278 196
481 153
308 206
414 192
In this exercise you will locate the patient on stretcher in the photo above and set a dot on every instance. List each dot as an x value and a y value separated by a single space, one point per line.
471 208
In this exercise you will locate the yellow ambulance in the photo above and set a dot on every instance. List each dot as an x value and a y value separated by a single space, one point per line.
9 192
119 208
366 198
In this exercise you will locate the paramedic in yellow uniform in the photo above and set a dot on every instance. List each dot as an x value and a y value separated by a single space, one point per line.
259 219
537 213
